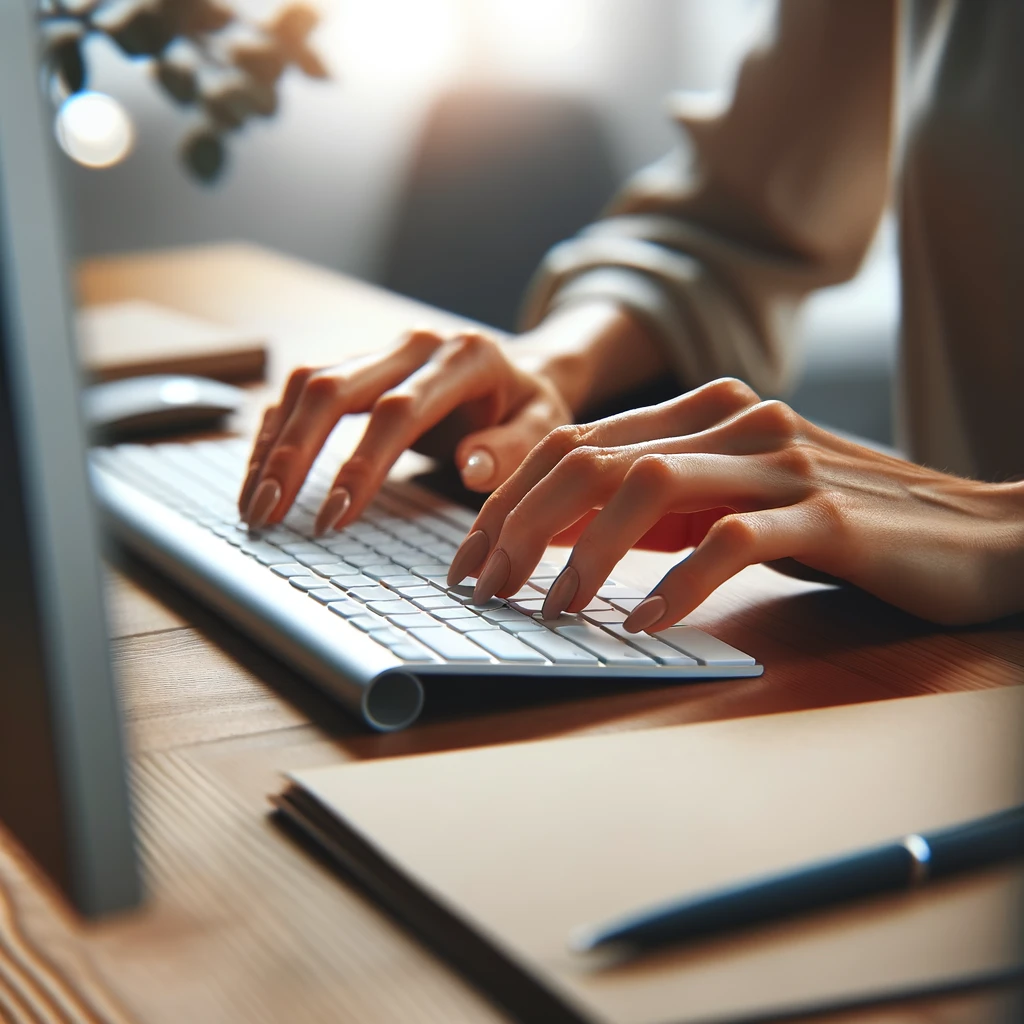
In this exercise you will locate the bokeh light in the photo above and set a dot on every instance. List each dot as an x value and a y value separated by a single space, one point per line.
94 129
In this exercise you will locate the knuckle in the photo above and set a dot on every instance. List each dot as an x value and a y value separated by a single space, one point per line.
733 392
563 440
799 460
393 406
420 338
779 418
323 385
733 532
584 464
651 474
299 376
471 347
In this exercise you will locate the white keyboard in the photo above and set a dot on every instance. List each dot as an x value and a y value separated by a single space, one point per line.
367 611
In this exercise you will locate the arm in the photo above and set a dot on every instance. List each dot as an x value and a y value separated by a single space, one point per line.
781 195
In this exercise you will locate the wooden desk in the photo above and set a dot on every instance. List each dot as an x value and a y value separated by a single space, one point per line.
243 926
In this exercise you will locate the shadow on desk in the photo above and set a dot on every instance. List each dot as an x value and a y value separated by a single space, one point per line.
813 657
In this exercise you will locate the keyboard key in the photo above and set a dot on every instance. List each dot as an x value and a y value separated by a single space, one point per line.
471 625
367 594
527 593
388 608
352 582
430 569
410 651
651 646
317 557
708 650
422 590
461 612
524 624
306 582
394 582
325 595
556 648
506 647
405 556
604 616
430 603
388 637
381 570
301 547
345 546
451 646
344 569
346 608
411 619
626 604
367 622
529 605
265 553
328 570
356 559
608 648
289 569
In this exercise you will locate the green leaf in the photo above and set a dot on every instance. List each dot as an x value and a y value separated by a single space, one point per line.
263 62
229 107
200 17
203 153
144 33
310 63
294 24
179 82
68 64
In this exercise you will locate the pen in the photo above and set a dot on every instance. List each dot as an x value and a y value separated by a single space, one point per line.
903 864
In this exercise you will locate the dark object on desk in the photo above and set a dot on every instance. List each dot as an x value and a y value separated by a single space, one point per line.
63 787
159 403
903 864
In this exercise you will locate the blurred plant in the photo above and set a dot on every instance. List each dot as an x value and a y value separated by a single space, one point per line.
202 54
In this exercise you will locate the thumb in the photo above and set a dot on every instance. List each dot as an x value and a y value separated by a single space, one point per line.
487 458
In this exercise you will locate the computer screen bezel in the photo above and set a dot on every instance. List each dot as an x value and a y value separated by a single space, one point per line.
63 783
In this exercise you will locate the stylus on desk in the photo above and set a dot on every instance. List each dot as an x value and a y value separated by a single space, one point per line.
902 864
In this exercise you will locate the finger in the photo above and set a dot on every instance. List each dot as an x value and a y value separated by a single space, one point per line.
326 396
466 369
691 414
273 419
654 486
586 478
732 544
487 458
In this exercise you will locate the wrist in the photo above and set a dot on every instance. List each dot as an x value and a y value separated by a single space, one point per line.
591 351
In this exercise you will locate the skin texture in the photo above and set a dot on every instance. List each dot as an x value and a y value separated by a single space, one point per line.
938 546
941 547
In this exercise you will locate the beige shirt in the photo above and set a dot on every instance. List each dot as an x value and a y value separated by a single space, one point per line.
780 192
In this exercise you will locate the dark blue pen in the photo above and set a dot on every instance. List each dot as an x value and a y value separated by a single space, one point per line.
902 864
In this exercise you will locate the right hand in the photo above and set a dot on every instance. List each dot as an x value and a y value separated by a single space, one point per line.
463 396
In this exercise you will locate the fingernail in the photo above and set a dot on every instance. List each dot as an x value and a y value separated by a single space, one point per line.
264 501
562 591
469 557
646 613
494 576
333 510
479 468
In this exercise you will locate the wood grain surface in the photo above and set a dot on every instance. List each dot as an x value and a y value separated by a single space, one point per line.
241 924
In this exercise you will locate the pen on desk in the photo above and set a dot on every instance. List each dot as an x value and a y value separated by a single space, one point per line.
902 864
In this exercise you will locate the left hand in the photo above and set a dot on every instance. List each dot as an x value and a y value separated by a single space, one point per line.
938 546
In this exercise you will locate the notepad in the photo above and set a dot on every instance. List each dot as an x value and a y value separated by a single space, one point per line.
127 339
493 855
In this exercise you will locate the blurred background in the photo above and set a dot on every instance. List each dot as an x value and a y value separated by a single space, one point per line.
455 142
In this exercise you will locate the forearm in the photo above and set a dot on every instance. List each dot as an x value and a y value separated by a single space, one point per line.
592 352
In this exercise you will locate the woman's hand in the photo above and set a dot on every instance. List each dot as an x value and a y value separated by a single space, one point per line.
944 548
471 396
